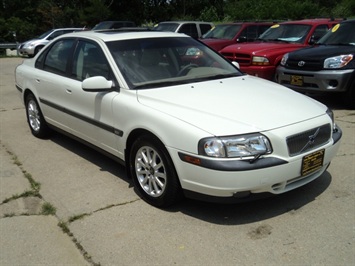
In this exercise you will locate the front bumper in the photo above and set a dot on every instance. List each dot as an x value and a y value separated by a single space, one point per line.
315 81
26 50
279 173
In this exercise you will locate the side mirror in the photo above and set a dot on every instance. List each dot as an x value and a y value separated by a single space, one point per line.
236 64
96 84
193 52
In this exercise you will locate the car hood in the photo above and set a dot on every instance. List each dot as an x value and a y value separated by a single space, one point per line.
233 105
262 48
322 52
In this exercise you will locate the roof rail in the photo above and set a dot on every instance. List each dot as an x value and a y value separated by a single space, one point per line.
125 29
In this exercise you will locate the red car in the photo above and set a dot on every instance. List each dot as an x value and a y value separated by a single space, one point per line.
226 34
261 58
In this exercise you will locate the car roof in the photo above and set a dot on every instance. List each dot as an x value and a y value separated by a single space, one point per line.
312 21
348 21
113 35
185 21
248 23
68 29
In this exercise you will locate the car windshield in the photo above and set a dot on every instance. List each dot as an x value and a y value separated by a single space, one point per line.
42 36
340 35
166 27
157 62
227 31
103 25
295 33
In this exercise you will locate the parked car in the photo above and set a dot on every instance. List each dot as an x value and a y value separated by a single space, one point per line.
106 25
226 34
262 57
183 119
327 67
32 47
195 29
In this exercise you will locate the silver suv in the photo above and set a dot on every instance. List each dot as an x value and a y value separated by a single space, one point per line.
32 47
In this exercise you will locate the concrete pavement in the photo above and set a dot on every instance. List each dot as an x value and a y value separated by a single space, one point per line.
99 220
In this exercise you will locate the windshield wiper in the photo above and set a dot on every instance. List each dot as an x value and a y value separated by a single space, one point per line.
222 76
159 84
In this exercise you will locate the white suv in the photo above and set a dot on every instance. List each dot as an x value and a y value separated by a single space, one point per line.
195 29
32 47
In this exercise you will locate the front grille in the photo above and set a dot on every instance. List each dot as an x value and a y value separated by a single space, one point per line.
242 59
308 140
308 65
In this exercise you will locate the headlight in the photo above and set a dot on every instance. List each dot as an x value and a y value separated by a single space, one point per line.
251 145
331 115
28 45
338 61
260 61
284 60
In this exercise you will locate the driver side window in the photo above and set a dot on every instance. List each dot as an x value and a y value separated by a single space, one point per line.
89 61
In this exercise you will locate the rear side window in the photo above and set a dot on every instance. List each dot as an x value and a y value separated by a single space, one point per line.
250 33
204 28
189 29
262 29
57 58
319 32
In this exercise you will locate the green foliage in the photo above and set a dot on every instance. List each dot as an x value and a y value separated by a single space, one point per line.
33 17
209 14
48 209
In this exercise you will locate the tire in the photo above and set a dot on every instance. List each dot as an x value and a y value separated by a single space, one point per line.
37 49
153 172
35 119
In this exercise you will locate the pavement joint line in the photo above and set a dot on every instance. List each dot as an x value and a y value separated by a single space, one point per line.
35 191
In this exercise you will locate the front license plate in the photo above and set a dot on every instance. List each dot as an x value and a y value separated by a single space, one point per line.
296 80
312 162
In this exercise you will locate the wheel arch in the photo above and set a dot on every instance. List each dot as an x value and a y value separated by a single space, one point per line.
133 136
25 94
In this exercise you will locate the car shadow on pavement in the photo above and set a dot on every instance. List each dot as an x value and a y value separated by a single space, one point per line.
225 214
333 100
256 210
105 163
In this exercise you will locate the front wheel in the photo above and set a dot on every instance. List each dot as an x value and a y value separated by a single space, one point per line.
35 119
153 172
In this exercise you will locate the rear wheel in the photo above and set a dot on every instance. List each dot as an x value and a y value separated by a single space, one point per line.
153 172
35 119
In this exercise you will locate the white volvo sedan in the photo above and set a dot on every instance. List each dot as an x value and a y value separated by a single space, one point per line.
180 117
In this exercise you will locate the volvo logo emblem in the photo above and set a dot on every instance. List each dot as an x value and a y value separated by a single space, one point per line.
311 139
301 63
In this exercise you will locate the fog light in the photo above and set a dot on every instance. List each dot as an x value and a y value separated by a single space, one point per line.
333 84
